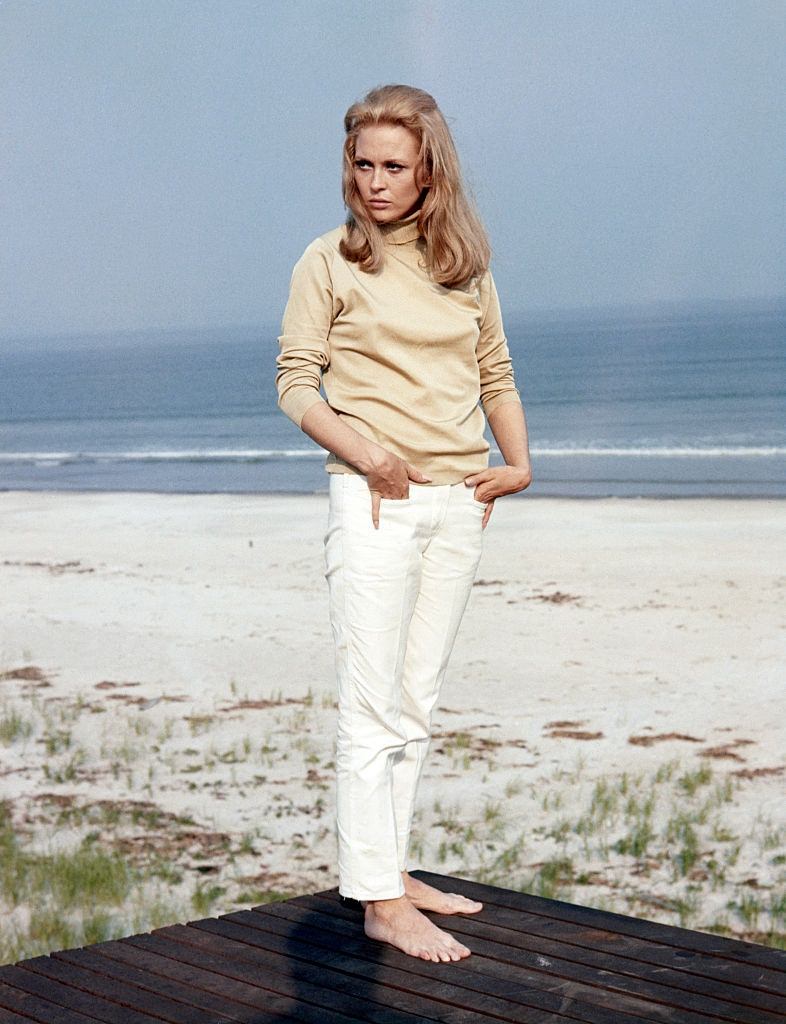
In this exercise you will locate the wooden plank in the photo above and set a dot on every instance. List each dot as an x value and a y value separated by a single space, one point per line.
748 1002
341 971
307 960
669 935
600 951
607 987
237 998
203 986
128 999
625 974
7 1017
437 980
291 978
244 981
127 963
720 969
35 1008
499 981
69 997
162 970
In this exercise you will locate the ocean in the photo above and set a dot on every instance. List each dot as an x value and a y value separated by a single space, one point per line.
667 401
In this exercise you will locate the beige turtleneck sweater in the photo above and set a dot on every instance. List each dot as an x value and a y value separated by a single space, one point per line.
402 360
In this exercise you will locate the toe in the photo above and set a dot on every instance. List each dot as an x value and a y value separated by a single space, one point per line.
466 900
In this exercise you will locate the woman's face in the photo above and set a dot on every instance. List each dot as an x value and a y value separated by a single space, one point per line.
386 171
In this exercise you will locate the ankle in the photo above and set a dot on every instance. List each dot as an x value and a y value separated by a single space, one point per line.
386 908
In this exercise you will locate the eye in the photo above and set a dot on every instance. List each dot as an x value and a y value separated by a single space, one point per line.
362 164
395 167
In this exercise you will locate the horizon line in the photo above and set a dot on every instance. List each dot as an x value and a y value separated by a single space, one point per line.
510 315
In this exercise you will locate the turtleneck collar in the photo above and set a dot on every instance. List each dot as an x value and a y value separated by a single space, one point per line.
397 232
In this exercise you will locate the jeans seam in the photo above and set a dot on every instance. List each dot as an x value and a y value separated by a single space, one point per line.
347 669
348 673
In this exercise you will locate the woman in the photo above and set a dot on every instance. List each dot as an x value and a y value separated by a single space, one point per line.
396 314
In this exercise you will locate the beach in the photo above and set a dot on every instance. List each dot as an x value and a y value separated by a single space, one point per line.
612 729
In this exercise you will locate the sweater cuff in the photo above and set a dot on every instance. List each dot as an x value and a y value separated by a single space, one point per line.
296 403
490 404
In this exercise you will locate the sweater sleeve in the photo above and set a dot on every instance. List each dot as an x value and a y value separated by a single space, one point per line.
497 384
304 349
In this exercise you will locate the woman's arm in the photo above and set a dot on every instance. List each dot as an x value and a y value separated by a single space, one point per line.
509 427
387 475
304 354
502 405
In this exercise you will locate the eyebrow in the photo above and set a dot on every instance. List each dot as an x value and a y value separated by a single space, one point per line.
387 160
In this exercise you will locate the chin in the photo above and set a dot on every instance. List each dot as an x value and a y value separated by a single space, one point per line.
383 216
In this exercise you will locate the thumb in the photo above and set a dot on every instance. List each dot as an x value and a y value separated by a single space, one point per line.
478 478
416 475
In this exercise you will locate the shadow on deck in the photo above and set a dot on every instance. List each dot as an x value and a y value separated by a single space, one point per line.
306 959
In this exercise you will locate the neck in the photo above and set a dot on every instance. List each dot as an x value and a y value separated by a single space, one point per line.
406 229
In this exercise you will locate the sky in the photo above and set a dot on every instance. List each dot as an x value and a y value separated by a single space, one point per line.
165 162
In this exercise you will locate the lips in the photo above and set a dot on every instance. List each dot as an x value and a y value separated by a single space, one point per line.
378 202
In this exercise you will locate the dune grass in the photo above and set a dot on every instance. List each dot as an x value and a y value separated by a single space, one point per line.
128 819
663 844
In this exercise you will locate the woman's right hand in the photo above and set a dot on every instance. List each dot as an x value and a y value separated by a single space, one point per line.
389 477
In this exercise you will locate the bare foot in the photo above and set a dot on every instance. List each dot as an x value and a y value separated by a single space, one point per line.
403 926
426 897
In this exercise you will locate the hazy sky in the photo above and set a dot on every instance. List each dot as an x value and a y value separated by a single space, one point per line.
165 162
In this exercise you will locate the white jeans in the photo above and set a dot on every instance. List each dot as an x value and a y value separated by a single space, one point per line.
397 595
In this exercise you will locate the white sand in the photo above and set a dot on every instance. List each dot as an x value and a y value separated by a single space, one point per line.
671 620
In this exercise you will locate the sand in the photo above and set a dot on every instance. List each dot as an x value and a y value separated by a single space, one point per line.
179 647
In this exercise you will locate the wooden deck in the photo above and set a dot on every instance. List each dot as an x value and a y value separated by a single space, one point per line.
307 960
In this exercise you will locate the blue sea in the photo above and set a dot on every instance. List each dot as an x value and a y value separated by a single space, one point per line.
669 400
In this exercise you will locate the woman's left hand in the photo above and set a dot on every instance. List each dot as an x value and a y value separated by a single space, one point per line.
495 481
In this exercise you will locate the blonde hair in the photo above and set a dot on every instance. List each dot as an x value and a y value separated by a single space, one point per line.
457 247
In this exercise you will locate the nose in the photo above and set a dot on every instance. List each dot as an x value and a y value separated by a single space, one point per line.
377 180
